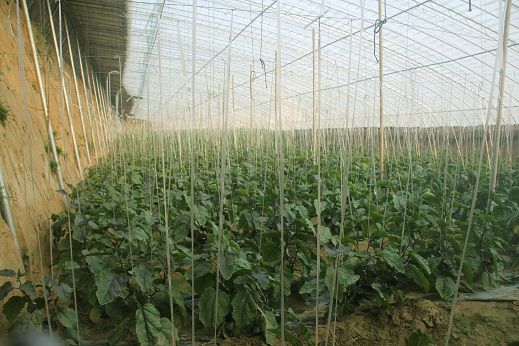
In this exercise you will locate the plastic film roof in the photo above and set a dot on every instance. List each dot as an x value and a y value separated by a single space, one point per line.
439 60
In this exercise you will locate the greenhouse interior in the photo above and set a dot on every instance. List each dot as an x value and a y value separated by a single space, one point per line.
259 172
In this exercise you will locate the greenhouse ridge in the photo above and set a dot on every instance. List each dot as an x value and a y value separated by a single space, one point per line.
448 52
259 172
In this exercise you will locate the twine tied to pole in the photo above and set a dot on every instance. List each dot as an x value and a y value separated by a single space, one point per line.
376 30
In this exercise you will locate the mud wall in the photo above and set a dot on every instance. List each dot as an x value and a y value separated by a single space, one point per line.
28 169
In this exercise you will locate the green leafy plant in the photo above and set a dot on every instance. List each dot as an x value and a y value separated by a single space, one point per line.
378 239
4 114
53 166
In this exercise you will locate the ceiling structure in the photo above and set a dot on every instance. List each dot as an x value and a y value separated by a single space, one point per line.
439 60
102 27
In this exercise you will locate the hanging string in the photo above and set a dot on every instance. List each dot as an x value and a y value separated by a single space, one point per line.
376 29
261 45
252 73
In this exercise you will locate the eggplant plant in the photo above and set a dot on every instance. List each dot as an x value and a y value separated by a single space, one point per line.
137 250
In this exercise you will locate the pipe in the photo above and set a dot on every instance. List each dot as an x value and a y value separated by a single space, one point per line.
117 98
109 87
118 57
8 216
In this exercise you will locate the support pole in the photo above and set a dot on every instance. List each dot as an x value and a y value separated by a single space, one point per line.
250 96
87 92
43 98
57 47
8 216
502 78
192 168
78 96
381 87
281 172
314 103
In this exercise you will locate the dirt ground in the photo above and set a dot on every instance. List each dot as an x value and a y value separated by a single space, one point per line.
476 323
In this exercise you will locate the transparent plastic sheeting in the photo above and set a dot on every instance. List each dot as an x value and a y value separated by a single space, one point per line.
438 62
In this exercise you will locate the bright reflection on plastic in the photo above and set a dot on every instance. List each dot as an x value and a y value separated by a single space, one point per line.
31 339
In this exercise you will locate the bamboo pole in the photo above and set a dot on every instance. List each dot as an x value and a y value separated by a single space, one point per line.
223 165
476 185
5 209
95 105
87 91
64 90
192 169
381 87
43 99
250 96
317 157
502 78
281 173
314 103
74 74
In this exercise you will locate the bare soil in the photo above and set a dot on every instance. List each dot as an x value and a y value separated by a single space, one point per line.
476 323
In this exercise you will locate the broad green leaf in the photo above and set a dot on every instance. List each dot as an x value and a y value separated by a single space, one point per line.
118 332
13 307
28 289
468 272
345 278
242 263
513 195
227 265
270 252
5 289
445 287
213 311
111 286
399 201
243 310
269 327
419 338
262 278
114 311
63 291
489 280
8 272
147 325
69 265
67 317
418 277
201 268
422 262
97 263
79 233
429 196
143 276
138 235
291 338
377 286
324 234
392 258
309 287
28 322
166 330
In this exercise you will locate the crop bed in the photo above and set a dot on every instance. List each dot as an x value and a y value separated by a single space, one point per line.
155 225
